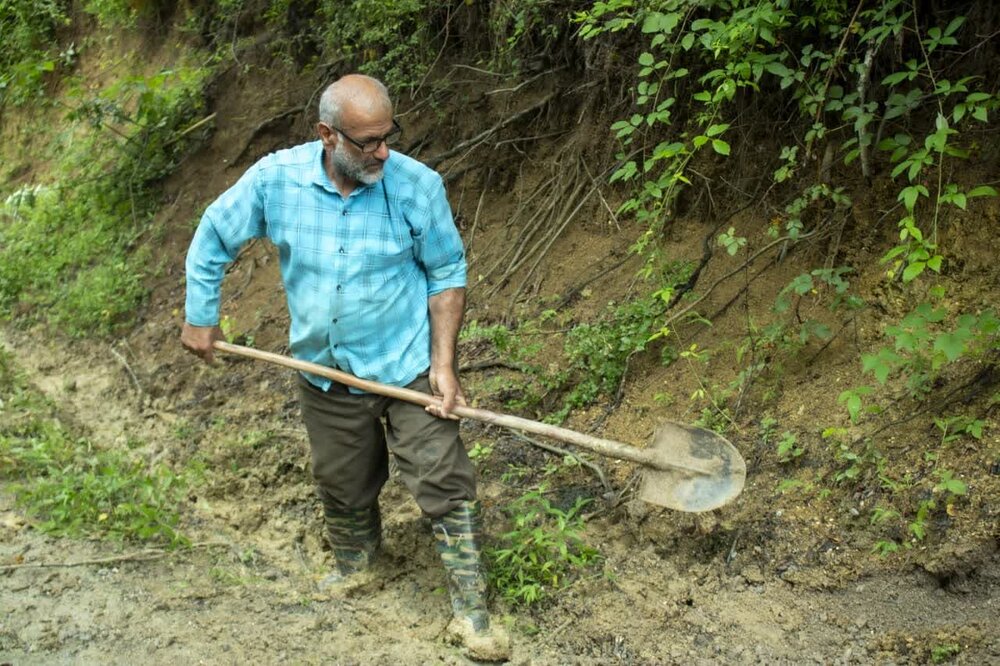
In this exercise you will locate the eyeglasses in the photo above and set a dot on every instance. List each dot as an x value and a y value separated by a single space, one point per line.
369 146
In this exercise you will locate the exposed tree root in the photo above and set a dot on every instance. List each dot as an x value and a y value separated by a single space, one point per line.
264 126
480 138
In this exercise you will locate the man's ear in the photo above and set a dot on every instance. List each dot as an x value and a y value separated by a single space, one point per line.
327 135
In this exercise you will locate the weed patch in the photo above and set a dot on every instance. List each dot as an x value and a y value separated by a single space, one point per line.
73 487
543 552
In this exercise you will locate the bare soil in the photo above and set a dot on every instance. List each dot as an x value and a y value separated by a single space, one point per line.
673 589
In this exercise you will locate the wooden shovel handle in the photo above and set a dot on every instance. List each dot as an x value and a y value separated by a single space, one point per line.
604 447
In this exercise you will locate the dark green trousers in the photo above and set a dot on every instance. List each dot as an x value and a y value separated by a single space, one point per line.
350 449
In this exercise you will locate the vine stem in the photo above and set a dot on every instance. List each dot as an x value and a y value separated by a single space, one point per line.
829 74
937 98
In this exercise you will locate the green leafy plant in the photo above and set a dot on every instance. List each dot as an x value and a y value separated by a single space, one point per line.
522 30
923 345
543 552
853 400
116 13
731 241
480 452
956 427
73 487
394 41
26 55
856 459
918 526
945 652
788 447
696 62
949 486
69 250
597 354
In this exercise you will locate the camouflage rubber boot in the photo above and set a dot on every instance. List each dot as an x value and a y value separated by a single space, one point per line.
457 535
355 538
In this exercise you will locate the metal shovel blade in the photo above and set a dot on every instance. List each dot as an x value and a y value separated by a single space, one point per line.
723 471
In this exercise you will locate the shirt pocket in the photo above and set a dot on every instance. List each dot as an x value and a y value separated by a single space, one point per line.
386 275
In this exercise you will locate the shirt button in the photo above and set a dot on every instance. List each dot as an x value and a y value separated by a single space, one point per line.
334 321
335 346
339 288
342 251
343 212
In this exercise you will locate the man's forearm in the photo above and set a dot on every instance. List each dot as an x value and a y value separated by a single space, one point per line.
447 308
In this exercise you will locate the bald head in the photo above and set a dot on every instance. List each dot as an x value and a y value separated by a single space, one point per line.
353 95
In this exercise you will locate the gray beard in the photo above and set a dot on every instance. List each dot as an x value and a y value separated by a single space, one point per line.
352 168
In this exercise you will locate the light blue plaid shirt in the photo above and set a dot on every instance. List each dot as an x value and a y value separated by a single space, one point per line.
357 271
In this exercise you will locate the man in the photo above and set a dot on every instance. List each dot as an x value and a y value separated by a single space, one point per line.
374 274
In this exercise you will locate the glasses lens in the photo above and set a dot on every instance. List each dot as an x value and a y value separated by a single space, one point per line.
389 140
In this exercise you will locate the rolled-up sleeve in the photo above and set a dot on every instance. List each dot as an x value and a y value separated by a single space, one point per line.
437 243
236 217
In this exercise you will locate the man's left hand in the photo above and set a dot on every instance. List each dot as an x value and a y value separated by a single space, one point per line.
445 385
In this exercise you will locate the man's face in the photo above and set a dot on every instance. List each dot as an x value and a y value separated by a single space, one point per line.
347 158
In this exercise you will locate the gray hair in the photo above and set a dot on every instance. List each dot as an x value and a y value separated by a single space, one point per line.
346 90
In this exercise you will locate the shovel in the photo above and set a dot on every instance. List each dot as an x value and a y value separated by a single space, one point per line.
684 468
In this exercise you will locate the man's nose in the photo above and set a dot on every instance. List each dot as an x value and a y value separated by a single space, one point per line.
382 152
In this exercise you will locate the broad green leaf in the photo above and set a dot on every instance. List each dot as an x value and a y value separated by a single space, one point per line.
659 22
913 270
778 69
955 487
909 196
955 24
950 344
720 146
892 254
894 79
981 191
715 130
801 284
881 365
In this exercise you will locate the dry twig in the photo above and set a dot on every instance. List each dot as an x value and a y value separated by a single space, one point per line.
144 555
563 452
128 369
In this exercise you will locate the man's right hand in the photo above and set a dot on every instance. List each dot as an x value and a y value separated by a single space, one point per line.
199 340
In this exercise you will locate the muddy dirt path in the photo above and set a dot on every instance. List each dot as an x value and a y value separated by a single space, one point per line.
671 590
